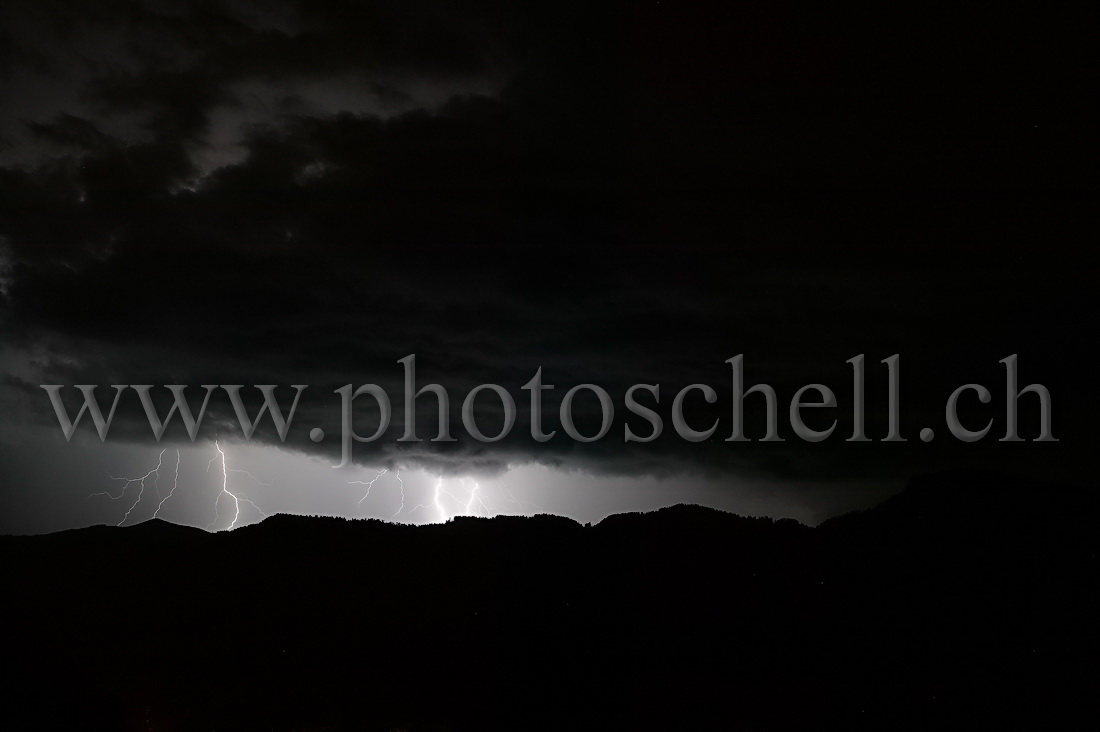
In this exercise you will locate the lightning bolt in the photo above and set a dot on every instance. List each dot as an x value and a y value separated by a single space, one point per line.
401 485
441 490
369 485
474 503
238 499
474 496
127 482
175 482
253 477
438 502
243 498
419 506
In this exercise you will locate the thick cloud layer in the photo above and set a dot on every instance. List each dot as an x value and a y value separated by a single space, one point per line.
304 193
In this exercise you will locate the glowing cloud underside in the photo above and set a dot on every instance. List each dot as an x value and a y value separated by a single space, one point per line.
445 499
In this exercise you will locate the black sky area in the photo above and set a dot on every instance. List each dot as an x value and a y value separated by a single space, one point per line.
616 192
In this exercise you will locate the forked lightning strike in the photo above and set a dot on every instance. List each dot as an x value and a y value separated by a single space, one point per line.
128 482
175 482
238 499
237 496
474 496
401 488
370 484
437 499
475 502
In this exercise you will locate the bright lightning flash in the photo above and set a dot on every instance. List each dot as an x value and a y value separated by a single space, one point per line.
127 482
175 482
475 502
238 497
370 484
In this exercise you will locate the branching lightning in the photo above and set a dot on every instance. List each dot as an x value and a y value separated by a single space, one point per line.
401 488
127 482
472 500
474 496
175 482
238 498
250 475
225 489
475 502
369 485
437 499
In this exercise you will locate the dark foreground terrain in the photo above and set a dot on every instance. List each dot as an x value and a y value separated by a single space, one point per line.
964 602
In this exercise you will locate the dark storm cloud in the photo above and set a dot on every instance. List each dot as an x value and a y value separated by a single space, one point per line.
70 132
625 196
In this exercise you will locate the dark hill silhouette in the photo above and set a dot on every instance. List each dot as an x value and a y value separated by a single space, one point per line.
965 601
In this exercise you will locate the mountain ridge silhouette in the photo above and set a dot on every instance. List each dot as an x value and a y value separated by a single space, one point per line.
960 600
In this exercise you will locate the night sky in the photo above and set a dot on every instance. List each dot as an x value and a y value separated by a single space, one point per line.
616 193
